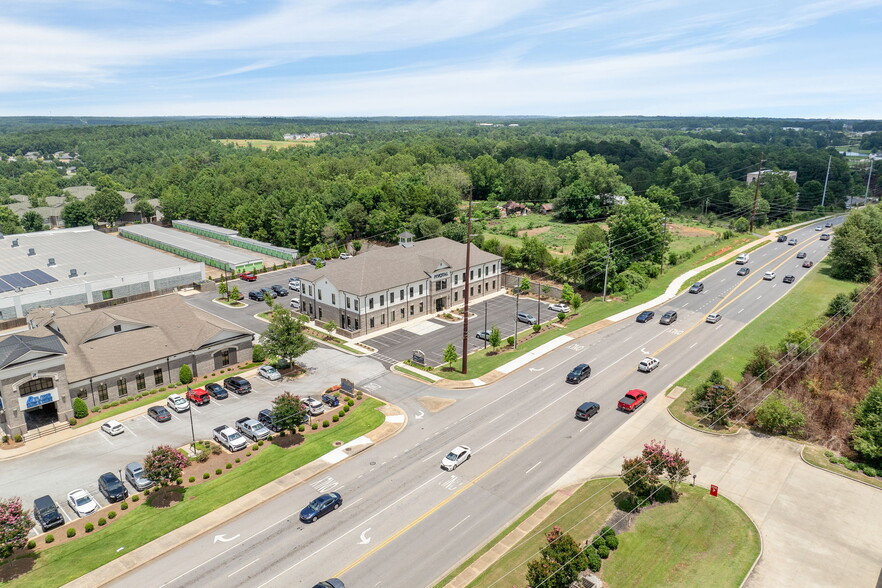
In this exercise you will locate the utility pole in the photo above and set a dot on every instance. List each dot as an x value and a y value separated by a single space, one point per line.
485 323
606 271
465 296
539 301
664 242
869 177
827 177
517 311
759 176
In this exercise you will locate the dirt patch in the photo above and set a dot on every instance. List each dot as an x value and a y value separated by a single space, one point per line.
287 440
18 565
690 231
717 253
533 232
167 496
434 404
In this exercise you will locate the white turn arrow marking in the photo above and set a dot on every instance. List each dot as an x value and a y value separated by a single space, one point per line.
536 369
419 415
644 351
224 538
364 538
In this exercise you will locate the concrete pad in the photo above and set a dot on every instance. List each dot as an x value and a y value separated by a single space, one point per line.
339 454
423 328
536 353
434 404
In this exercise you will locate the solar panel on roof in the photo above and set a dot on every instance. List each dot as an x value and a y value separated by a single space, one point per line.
38 276
4 287
17 281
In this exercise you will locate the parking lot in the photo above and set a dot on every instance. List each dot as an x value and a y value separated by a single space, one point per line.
432 336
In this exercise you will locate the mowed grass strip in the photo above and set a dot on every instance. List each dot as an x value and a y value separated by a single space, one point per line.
67 562
701 540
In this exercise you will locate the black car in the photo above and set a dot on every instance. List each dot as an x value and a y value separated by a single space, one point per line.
696 288
782 238
587 410
216 390
743 271
483 335
112 488
320 507
330 583
330 400
269 293
266 418
645 316
237 384
280 291
159 414
668 317
828 225
801 255
46 513
579 373
789 279
256 295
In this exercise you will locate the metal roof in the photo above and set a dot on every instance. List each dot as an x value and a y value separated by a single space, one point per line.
190 242
205 227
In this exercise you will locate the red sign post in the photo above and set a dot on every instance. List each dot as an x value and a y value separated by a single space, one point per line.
713 490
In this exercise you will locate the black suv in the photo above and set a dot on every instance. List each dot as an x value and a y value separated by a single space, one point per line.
266 417
112 488
238 385
579 373
587 410
47 514
789 279
782 238
216 390
279 290
256 295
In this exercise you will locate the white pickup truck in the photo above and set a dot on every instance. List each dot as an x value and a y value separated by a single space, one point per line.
230 438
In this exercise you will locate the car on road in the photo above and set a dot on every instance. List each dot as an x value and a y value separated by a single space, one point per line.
801 255
632 400
647 364
198 396
237 384
159 414
828 225
789 279
668 317
217 391
269 372
112 428
769 276
345 255
330 400
825 236
321 506
135 476
312 406
112 487
279 290
587 410
808 263
743 271
81 502
792 242
248 277
46 513
559 307
645 316
177 403
579 373
256 295
819 228
526 317
457 456
696 288
713 317
252 428
782 238
330 583
483 335
742 259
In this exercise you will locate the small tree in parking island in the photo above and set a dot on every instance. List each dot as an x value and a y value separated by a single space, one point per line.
222 287
450 355
164 464
185 374
284 337
495 338
234 295
15 524
287 411
559 564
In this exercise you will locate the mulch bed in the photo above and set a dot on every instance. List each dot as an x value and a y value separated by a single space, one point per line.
288 440
166 496
20 562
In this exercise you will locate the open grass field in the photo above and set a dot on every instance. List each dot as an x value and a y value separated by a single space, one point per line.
267 144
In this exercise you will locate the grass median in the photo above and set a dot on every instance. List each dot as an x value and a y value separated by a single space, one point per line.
59 565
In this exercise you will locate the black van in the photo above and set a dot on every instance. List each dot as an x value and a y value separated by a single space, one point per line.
587 410
238 385
47 514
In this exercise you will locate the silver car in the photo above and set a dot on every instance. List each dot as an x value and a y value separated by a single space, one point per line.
313 407
135 476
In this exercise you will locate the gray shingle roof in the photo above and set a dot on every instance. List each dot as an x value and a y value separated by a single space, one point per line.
14 347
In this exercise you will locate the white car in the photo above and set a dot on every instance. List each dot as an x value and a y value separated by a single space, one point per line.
345 256
178 403
647 364
313 407
769 276
269 372
457 456
112 428
294 284
713 317
82 502
295 304
819 228
559 307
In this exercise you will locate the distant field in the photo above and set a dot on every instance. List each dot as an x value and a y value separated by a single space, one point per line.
266 144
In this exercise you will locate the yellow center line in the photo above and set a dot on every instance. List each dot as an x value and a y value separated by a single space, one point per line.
437 507
718 306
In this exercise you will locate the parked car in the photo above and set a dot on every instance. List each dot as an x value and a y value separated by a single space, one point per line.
668 317
330 583
237 384
789 279
269 372
135 476
248 277
587 410
216 390
294 284
230 438
295 303
279 290
198 396
825 236
312 406
526 317
769 276
177 403
345 255
483 335
81 502
559 307
632 400
743 271
256 295
321 506
647 364
579 373
269 293
801 255
782 238
159 414
792 242
457 456
112 487
713 317
112 428
330 400
46 513
315 261
645 316
252 428
696 288
808 263
266 417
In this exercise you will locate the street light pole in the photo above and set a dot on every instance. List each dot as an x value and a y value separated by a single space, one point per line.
192 428
465 296
485 324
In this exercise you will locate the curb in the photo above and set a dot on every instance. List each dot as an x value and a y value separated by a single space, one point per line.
807 462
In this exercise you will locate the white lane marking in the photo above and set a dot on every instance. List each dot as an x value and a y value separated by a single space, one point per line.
684 305
533 468
585 427
628 339
496 418
760 296
106 440
356 501
693 345
548 387
132 432
433 456
460 522
242 568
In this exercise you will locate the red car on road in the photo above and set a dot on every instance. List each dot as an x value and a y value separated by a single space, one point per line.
248 277
632 400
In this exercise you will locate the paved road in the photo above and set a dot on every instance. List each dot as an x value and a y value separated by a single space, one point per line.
400 508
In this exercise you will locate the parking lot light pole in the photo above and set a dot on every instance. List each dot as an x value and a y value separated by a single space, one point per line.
192 428
485 324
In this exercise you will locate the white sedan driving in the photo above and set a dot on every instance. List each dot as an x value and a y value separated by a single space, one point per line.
457 456
82 502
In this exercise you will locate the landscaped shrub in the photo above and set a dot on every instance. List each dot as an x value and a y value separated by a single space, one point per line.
346 409
537 328
218 472
238 460
301 428
17 438
260 443
255 447
114 403
81 409
72 422
185 374
105 406
258 354
603 551
95 408
147 492
50 538
32 544
206 475
89 527
124 506
341 414
136 498
314 426
593 559
102 521
178 481
215 448
111 515
851 466
229 466
828 454
5 438
248 454
191 479
71 532
612 542
335 419
162 389
326 424
350 402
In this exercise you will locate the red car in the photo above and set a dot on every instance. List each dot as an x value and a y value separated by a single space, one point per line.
198 396
632 400
248 277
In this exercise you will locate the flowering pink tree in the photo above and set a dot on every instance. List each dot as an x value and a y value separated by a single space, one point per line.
15 524
642 474
164 464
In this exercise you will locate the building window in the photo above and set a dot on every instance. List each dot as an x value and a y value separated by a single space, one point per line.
320 313
479 288
479 272
121 387
455 279
494 268
370 303
117 328
402 313
83 393
333 299
102 392
342 319
391 297
319 294
311 311
356 324
157 376
310 290
383 319
471 274
140 382
421 289
34 386
471 291
382 299
455 295
421 307
494 284
356 305
411 291
392 317
411 310
401 294
349 323
225 357
372 322
106 294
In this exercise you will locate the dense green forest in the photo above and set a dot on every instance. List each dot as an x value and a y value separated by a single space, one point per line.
383 175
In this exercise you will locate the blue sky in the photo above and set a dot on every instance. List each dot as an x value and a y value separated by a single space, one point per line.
441 57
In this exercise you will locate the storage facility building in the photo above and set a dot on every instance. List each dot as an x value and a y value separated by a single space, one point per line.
192 247
234 238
